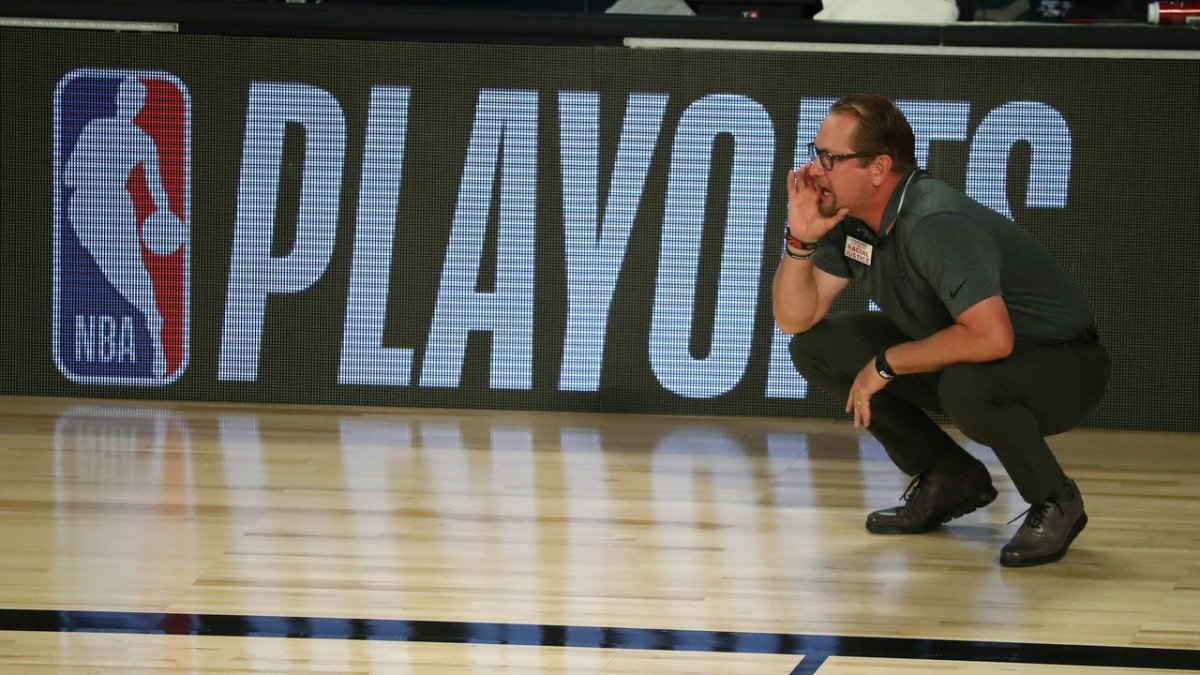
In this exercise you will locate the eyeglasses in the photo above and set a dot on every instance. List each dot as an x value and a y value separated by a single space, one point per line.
828 159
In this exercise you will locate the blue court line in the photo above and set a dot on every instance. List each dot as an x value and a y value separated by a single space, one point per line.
814 649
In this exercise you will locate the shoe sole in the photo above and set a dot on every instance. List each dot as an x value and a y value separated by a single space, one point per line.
981 500
1053 557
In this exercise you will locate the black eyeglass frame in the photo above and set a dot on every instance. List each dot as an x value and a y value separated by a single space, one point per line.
829 160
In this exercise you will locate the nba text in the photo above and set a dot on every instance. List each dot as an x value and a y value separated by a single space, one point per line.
122 236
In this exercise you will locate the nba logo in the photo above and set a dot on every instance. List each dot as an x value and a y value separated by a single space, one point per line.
122 227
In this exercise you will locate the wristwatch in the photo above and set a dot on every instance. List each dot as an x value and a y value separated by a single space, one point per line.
882 366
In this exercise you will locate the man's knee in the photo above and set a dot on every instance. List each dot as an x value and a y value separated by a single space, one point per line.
810 348
820 353
836 348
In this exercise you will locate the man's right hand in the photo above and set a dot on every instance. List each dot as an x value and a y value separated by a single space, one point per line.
805 220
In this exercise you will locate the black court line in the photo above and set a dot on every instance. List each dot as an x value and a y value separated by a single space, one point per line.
814 649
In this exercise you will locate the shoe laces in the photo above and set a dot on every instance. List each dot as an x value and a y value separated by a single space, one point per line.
1036 514
914 486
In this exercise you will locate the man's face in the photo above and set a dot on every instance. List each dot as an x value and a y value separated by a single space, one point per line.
847 183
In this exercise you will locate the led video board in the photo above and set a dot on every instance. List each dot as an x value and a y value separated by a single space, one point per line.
560 228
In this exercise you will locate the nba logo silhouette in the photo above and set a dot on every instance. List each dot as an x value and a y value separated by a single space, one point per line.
122 227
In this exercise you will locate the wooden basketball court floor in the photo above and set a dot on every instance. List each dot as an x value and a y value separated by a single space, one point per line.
161 537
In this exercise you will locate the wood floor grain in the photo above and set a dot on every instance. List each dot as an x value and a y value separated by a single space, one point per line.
678 523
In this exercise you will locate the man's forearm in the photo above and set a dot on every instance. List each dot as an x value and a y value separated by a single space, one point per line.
983 333
794 295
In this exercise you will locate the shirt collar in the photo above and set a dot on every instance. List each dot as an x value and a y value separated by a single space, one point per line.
892 212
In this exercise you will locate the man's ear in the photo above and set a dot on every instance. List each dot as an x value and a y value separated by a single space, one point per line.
881 166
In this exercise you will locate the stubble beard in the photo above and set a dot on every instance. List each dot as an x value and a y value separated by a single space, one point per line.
827 207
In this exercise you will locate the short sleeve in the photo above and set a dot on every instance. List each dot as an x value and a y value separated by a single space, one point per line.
957 258
829 258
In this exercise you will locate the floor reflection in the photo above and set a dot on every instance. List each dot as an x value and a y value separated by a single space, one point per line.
743 531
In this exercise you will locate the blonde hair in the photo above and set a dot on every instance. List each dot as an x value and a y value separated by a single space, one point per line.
882 130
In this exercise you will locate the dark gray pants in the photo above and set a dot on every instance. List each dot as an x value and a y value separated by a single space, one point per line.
1009 405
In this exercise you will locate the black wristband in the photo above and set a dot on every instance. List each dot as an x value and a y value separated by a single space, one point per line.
799 243
795 255
882 366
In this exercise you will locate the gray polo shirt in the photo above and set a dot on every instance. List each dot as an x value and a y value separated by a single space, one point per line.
941 252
